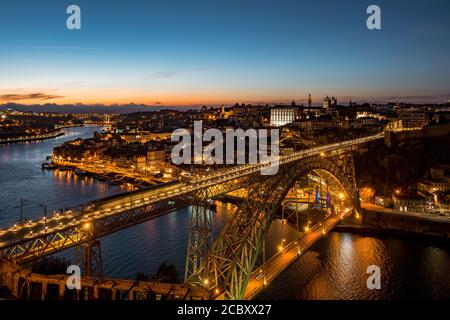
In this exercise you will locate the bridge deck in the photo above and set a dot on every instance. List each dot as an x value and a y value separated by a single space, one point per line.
290 253
33 239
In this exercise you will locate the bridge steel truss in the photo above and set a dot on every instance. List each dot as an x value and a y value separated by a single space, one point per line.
224 265
236 251
26 249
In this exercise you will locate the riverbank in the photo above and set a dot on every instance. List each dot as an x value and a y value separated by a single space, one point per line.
112 178
46 136
373 220
368 231
23 178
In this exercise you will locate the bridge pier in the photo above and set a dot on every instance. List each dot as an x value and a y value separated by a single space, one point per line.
61 289
89 255
44 291
198 270
15 285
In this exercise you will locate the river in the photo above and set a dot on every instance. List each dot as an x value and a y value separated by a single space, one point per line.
334 268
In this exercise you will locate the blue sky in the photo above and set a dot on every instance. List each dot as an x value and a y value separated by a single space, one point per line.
213 51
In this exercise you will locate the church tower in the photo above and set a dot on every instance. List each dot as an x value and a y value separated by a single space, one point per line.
326 102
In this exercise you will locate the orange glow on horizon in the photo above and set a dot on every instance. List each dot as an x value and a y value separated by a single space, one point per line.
115 96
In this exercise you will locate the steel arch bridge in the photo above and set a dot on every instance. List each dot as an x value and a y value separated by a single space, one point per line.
226 264
222 266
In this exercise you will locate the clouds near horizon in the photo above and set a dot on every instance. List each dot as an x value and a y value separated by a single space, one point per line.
40 96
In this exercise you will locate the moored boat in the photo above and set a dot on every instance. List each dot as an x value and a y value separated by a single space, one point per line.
48 166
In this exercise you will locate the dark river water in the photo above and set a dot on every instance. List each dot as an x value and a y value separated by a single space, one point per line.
334 268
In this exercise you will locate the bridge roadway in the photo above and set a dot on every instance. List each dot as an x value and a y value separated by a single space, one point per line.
263 275
32 239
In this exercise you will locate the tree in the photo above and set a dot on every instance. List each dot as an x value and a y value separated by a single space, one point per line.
142 277
167 273
51 265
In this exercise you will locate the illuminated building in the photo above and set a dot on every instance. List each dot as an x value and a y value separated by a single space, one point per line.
280 116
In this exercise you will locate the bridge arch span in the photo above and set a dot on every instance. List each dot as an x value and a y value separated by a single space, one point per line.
235 252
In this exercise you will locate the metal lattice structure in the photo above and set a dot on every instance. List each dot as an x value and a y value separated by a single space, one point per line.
200 243
225 264
89 255
236 251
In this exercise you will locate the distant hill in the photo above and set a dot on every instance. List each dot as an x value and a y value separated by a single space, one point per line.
82 108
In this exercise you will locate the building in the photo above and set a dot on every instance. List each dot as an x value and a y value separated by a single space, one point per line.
156 160
383 201
226 113
413 204
365 122
329 103
311 111
368 114
433 186
439 182
326 103
144 137
437 173
414 118
333 102
283 115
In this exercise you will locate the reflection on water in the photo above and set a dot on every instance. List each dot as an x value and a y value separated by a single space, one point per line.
335 268
21 176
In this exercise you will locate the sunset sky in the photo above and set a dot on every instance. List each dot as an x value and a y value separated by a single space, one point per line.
193 52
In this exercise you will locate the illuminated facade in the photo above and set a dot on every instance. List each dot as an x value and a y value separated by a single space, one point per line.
280 116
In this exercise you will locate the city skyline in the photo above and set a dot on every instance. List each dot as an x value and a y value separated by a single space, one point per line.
212 53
